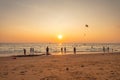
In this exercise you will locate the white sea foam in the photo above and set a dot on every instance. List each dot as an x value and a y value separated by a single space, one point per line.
7 49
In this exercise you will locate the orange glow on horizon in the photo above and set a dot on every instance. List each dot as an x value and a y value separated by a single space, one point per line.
42 21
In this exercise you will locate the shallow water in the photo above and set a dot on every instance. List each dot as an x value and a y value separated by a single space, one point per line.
8 49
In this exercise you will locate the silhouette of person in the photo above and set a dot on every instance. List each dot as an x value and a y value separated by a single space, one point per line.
24 51
61 49
108 49
74 49
47 51
103 49
64 49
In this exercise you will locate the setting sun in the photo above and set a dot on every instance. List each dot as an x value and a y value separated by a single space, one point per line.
60 36
44 21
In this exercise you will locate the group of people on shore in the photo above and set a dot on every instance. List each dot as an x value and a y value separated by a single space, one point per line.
106 49
31 51
63 50
47 50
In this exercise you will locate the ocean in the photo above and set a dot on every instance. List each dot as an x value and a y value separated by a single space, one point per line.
9 49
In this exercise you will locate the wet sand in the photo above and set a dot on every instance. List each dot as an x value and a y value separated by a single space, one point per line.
61 67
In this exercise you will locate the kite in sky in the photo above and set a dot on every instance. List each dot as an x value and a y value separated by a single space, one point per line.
86 25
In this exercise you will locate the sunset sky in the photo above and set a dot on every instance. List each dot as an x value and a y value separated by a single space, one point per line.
44 20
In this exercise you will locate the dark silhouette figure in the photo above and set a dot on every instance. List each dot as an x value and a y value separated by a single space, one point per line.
103 49
47 51
74 49
64 49
108 49
24 51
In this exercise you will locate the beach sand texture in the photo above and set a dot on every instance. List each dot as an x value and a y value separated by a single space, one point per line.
61 67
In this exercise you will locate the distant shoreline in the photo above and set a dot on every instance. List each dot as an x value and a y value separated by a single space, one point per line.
8 49
62 54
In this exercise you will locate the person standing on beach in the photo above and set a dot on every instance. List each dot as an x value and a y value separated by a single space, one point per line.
108 49
24 51
47 51
74 49
61 49
64 49
103 49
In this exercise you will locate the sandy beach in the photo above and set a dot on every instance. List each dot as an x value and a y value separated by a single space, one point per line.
61 67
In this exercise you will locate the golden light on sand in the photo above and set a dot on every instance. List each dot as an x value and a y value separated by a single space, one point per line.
60 36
